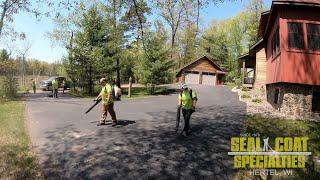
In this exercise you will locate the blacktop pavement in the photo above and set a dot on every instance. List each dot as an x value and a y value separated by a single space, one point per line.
144 145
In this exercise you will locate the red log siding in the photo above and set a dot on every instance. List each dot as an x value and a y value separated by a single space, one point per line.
294 66
273 63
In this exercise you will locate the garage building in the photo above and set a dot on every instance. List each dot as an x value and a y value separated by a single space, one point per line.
201 71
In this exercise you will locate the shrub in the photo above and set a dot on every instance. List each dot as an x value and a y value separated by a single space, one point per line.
245 96
245 89
2 94
237 81
256 100
9 87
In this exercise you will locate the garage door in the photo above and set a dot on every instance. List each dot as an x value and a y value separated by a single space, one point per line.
208 79
192 78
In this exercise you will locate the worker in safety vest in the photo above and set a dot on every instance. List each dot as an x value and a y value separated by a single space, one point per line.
107 102
187 102
55 86
64 86
34 85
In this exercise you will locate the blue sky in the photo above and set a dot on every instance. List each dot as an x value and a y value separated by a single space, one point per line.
42 49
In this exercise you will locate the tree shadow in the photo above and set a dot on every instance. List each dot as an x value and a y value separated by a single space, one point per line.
149 148
121 123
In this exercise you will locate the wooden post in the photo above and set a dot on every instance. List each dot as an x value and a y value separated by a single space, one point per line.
183 77
130 85
243 71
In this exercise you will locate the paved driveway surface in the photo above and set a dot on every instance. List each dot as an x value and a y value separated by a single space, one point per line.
144 145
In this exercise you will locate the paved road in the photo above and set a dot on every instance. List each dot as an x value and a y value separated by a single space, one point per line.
71 146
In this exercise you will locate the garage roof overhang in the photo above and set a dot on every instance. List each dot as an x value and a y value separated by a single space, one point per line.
219 70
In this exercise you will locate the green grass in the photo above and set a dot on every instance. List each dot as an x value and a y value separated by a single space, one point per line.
17 160
272 128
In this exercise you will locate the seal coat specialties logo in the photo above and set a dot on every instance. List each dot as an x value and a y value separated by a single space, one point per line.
257 153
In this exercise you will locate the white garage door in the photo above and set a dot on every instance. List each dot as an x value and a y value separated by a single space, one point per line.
208 79
192 78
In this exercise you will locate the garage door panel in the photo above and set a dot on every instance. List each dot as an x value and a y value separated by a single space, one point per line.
192 78
209 80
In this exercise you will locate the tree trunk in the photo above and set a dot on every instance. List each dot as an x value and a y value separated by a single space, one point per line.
90 81
116 43
4 10
152 89
198 16
172 43
118 74
23 72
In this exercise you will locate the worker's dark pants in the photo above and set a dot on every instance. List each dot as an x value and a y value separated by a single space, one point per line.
55 93
186 115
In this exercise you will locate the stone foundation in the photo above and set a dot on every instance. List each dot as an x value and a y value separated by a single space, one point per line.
294 100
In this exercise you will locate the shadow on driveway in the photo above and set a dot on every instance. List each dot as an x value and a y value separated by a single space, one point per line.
137 152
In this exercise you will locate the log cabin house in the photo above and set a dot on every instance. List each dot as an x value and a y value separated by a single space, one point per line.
290 70
201 71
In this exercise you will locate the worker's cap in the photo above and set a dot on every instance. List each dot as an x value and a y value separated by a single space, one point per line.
103 80
184 86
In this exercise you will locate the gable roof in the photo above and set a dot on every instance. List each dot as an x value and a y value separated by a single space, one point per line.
264 17
221 71
252 50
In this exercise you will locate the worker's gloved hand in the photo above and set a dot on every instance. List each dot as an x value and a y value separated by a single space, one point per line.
193 109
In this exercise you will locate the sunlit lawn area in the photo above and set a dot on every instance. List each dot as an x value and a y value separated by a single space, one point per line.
17 160
272 128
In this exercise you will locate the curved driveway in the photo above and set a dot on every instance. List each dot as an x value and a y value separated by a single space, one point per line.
144 145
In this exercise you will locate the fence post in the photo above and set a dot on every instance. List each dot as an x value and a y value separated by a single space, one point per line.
130 85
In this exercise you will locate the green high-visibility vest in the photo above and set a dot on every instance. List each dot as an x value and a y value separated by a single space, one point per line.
187 99
55 84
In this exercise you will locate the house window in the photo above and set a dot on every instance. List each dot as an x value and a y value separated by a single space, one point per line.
316 101
313 36
295 35
275 43
276 96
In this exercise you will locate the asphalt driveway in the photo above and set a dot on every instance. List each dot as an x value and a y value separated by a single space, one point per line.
144 145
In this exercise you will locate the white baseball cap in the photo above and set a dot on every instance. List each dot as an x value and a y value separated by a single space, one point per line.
103 80
184 86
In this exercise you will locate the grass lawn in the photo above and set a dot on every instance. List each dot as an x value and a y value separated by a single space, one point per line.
273 128
17 160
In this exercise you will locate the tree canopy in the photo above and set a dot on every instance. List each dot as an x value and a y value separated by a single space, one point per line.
145 39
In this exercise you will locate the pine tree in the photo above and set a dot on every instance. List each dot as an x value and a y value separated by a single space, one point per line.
87 49
154 67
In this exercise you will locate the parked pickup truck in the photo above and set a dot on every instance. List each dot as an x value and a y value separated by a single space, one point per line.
46 85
